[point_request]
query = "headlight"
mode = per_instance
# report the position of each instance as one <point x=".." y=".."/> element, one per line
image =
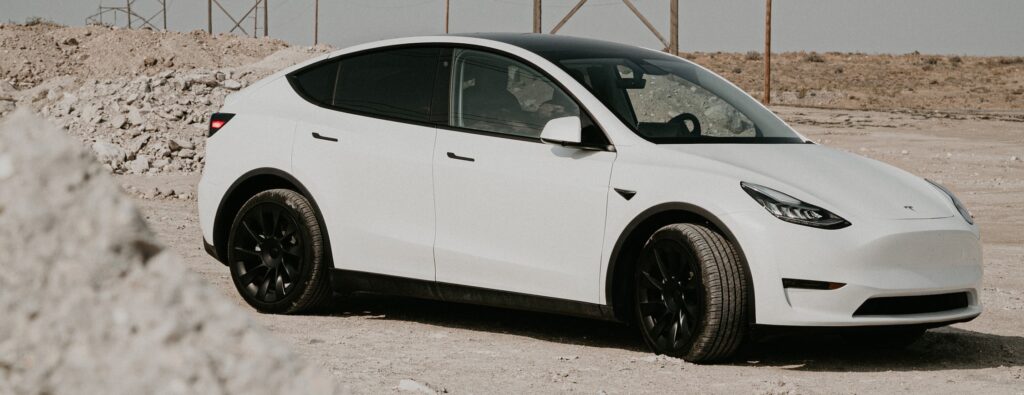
<point x="964" y="212"/>
<point x="790" y="209"/>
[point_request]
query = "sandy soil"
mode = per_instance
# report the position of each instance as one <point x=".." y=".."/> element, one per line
<point x="376" y="342"/>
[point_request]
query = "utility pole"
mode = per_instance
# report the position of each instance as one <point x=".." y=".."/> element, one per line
<point x="163" y="7"/>
<point x="128" y="6"/>
<point x="673" y="40"/>
<point x="447" y="14"/>
<point x="316" y="22"/>
<point x="209" y="16"/>
<point x="768" y="53"/>
<point x="537" y="16"/>
<point x="266" y="19"/>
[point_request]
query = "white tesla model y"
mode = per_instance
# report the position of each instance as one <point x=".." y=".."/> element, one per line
<point x="571" y="176"/>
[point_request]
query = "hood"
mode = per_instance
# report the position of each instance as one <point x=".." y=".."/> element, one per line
<point x="838" y="181"/>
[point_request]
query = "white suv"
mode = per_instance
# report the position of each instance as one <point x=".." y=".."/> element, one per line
<point x="571" y="176"/>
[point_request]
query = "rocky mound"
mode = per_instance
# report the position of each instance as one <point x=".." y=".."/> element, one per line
<point x="139" y="98"/>
<point x="93" y="304"/>
<point x="35" y="53"/>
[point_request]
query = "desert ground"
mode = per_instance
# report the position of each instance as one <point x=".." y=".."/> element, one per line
<point x="373" y="343"/>
<point x="957" y="120"/>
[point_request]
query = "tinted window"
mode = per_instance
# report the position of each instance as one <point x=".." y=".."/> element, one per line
<point x="396" y="83"/>
<point x="317" y="83"/>
<point x="497" y="94"/>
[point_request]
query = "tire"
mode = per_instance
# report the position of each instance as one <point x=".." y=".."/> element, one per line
<point x="691" y="294"/>
<point x="883" y="337"/>
<point x="277" y="255"/>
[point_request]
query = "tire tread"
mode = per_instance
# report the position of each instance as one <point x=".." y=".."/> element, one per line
<point x="725" y="325"/>
<point x="316" y="290"/>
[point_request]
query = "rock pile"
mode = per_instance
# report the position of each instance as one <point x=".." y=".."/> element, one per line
<point x="139" y="99"/>
<point x="36" y="53"/>
<point x="144" y="124"/>
<point x="93" y="304"/>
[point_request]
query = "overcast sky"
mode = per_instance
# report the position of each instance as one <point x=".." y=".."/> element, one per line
<point x="972" y="27"/>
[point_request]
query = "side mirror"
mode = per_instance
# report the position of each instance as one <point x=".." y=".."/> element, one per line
<point x="566" y="131"/>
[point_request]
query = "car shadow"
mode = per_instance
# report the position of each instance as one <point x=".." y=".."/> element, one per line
<point x="939" y="349"/>
<point x="541" y="326"/>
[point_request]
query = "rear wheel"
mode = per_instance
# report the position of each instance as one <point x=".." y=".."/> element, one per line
<point x="276" y="253"/>
<point x="691" y="294"/>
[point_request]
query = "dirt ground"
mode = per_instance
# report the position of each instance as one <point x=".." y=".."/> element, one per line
<point x="377" y="342"/>
<point x="957" y="120"/>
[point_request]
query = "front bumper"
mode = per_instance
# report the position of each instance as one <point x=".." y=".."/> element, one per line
<point x="873" y="258"/>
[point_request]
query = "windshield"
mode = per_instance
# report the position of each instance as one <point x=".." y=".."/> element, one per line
<point x="667" y="100"/>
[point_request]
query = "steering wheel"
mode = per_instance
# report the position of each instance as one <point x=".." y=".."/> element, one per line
<point x="681" y="120"/>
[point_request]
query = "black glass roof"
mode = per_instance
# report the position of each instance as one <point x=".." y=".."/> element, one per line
<point x="555" y="48"/>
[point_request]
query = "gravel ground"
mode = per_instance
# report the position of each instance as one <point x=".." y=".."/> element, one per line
<point x="381" y="344"/>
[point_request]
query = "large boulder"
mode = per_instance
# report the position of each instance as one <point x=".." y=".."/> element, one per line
<point x="92" y="302"/>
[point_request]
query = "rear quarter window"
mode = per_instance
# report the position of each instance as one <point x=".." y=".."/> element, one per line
<point x="318" y="82"/>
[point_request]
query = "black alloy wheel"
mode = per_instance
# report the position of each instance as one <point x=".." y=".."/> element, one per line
<point x="276" y="253"/>
<point x="270" y="252"/>
<point x="691" y="294"/>
<point x="670" y="297"/>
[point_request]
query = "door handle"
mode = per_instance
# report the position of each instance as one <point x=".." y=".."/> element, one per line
<point x="322" y="137"/>
<point x="456" y="157"/>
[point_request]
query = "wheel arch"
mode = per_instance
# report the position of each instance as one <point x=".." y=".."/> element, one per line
<point x="631" y="241"/>
<point x="247" y="186"/>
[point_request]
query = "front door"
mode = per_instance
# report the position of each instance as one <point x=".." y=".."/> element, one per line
<point x="513" y="213"/>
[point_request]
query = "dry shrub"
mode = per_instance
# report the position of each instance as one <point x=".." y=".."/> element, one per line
<point x="38" y="20"/>
<point x="1011" y="60"/>
<point x="752" y="55"/>
<point x="814" y="57"/>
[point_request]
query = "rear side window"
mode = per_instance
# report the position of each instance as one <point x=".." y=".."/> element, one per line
<point x="318" y="82"/>
<point x="397" y="83"/>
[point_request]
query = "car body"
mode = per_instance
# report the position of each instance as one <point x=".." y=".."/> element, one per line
<point x="422" y="196"/>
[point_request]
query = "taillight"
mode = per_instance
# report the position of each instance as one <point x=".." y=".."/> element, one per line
<point x="217" y="121"/>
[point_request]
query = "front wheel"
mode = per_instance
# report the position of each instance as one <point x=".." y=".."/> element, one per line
<point x="277" y="255"/>
<point x="691" y="294"/>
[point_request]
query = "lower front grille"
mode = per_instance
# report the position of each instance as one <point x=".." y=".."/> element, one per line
<point x="901" y="305"/>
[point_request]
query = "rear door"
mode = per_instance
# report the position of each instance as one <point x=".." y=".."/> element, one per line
<point x="515" y="214"/>
<point x="365" y="150"/>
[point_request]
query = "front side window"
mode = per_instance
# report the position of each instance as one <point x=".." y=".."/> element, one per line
<point x="493" y="93"/>
<point x="667" y="100"/>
